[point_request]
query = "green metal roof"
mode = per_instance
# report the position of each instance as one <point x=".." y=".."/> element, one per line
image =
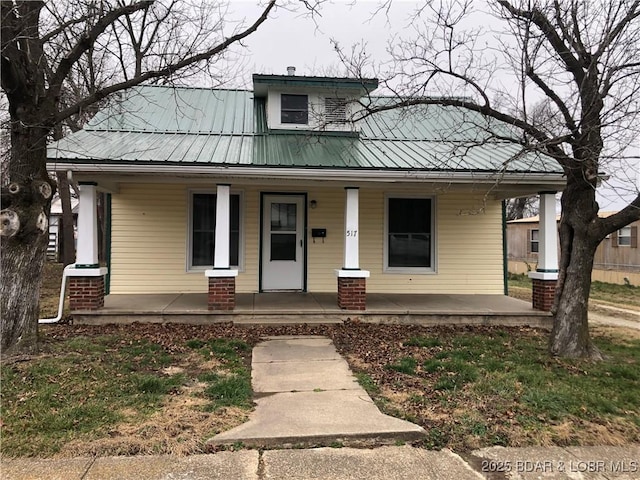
<point x="167" y="125"/>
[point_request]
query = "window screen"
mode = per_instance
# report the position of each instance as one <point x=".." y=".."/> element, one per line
<point x="409" y="232"/>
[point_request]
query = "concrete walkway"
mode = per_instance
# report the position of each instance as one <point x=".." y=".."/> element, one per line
<point x="383" y="463"/>
<point x="307" y="396"/>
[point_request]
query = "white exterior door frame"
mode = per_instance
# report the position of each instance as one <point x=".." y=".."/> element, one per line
<point x="283" y="266"/>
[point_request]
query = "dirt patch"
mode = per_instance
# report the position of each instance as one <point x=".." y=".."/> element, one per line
<point x="619" y="332"/>
<point x="181" y="427"/>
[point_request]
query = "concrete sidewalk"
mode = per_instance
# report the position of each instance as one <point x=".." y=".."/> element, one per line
<point x="382" y="463"/>
<point x="307" y="396"/>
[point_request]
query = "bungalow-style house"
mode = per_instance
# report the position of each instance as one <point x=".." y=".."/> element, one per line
<point x="288" y="187"/>
<point x="617" y="258"/>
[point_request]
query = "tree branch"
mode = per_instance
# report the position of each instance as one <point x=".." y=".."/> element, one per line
<point x="632" y="14"/>
<point x="550" y="33"/>
<point x="87" y="41"/>
<point x="63" y="26"/>
<point x="624" y="217"/>
<point x="166" y="71"/>
<point x="568" y="118"/>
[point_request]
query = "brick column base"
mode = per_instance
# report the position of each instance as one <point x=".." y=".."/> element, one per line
<point x="543" y="294"/>
<point x="86" y="293"/>
<point x="222" y="293"/>
<point x="352" y="293"/>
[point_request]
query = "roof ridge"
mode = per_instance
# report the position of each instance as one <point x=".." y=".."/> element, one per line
<point x="189" y="87"/>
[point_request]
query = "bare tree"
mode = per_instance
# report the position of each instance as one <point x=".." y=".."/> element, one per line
<point x="577" y="61"/>
<point x="521" y="207"/>
<point x="51" y="49"/>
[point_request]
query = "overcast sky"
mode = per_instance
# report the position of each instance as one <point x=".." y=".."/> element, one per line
<point x="294" y="38"/>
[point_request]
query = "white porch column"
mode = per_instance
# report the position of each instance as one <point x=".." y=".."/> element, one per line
<point x="351" y="233"/>
<point x="221" y="267"/>
<point x="545" y="277"/>
<point x="87" y="254"/>
<point x="223" y="224"/>
<point x="86" y="283"/>
<point x="222" y="282"/>
<point x="352" y="283"/>
<point x="548" y="236"/>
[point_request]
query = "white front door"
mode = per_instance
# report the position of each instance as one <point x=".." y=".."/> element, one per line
<point x="283" y="242"/>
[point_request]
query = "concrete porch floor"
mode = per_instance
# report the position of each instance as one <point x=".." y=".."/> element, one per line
<point x="319" y="308"/>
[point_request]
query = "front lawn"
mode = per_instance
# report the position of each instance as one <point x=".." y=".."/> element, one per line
<point x="472" y="387"/>
<point x="147" y="389"/>
<point x="123" y="391"/>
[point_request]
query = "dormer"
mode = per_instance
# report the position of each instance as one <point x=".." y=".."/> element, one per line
<point x="326" y="104"/>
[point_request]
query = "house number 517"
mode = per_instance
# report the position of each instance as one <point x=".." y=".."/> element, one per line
<point x="352" y="233"/>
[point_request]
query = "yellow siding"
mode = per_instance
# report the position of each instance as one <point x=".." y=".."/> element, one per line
<point x="468" y="247"/>
<point x="149" y="244"/>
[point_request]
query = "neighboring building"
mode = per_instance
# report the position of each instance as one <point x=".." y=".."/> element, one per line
<point x="278" y="189"/>
<point x="617" y="259"/>
<point x="55" y="216"/>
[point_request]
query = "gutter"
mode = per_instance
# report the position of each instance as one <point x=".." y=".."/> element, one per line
<point x="296" y="173"/>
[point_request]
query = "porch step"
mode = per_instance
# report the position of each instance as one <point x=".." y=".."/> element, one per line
<point x="287" y="319"/>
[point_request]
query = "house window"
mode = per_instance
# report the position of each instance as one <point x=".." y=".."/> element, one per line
<point x="534" y="241"/>
<point x="203" y="229"/>
<point x="294" y="109"/>
<point x="624" y="236"/>
<point x="409" y="234"/>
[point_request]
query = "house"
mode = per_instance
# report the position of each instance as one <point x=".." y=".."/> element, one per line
<point x="617" y="259"/>
<point x="278" y="188"/>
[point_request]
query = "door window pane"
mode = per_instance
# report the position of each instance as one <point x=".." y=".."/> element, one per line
<point x="283" y="246"/>
<point x="283" y="217"/>
<point x="409" y="232"/>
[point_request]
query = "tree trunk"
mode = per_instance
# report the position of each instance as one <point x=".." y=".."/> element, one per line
<point x="65" y="228"/>
<point x="570" y="333"/>
<point x="22" y="265"/>
<point x="26" y="202"/>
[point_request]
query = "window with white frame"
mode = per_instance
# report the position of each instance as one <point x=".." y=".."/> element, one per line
<point x="624" y="236"/>
<point x="294" y="109"/>
<point x="409" y="234"/>
<point x="534" y="241"/>
<point x="202" y="232"/>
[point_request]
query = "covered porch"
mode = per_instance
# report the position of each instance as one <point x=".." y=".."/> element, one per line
<point x="283" y="308"/>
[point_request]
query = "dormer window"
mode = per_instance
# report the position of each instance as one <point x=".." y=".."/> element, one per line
<point x="294" y="109"/>
<point x="335" y="110"/>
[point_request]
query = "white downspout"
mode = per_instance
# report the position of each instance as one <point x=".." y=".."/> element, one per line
<point x="57" y="318"/>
